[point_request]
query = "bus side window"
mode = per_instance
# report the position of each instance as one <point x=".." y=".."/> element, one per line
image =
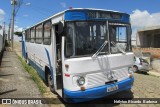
<point x="26" y="36"/>
<point x="39" y="38"/>
<point x="32" y="35"/>
<point x="47" y="33"/>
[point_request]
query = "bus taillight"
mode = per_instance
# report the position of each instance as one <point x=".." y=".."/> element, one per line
<point x="67" y="75"/>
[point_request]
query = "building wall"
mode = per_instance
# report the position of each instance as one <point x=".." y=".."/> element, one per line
<point x="155" y="52"/>
<point x="148" y="38"/>
<point x="149" y="41"/>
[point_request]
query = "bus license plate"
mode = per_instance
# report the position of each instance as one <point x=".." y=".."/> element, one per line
<point x="112" y="88"/>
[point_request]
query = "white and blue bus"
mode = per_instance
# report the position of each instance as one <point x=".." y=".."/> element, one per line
<point x="82" y="54"/>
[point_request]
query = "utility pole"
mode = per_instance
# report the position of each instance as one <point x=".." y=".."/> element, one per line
<point x="4" y="31"/>
<point x="9" y="31"/>
<point x="13" y="3"/>
<point x="4" y="26"/>
<point x="4" y="34"/>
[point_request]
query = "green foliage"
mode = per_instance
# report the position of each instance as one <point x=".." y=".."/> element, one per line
<point x="19" y="34"/>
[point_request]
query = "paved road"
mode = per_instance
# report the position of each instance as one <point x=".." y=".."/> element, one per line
<point x="146" y="86"/>
<point x="15" y="82"/>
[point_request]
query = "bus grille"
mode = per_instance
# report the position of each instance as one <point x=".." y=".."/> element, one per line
<point x="101" y="78"/>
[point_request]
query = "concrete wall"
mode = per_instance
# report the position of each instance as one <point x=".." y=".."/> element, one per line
<point x="1" y="41"/>
<point x="150" y="38"/>
<point x="155" y="52"/>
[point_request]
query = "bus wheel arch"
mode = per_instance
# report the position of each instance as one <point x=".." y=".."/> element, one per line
<point x="48" y="79"/>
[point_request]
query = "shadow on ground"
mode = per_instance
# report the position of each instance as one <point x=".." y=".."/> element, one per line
<point x="142" y="72"/>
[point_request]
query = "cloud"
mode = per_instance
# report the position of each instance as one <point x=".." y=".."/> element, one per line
<point x="1" y="15"/>
<point x="25" y="15"/>
<point x="63" y="4"/>
<point x="140" y="19"/>
<point x="28" y="4"/>
<point x="144" y="18"/>
<point x="17" y="29"/>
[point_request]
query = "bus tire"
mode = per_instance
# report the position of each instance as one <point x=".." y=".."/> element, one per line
<point x="27" y="61"/>
<point x="49" y="82"/>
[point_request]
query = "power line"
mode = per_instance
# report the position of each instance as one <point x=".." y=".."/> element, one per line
<point x="19" y="4"/>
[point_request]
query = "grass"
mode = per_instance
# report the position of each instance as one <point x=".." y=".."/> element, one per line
<point x="33" y="73"/>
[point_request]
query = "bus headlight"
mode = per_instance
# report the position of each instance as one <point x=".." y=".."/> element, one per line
<point x="130" y="72"/>
<point x="81" y="81"/>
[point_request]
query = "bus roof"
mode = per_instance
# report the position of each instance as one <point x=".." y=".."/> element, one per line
<point x="74" y="9"/>
<point x="95" y="9"/>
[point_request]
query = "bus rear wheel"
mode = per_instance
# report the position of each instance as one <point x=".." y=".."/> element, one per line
<point x="49" y="80"/>
<point x="27" y="61"/>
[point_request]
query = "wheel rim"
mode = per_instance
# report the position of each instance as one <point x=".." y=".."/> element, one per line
<point x="49" y="79"/>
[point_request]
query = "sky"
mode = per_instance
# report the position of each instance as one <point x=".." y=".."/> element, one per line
<point x="143" y="13"/>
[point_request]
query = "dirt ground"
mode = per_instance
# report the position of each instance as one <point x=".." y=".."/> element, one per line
<point x="156" y="65"/>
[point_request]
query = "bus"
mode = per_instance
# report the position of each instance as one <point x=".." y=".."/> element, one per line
<point x="82" y="54"/>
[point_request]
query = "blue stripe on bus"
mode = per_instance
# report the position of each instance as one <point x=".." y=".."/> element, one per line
<point x="23" y="47"/>
<point x="38" y="69"/>
<point x="50" y="65"/>
<point x="96" y="93"/>
<point x="75" y="15"/>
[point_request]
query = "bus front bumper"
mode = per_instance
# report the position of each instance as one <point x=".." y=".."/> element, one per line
<point x="98" y="92"/>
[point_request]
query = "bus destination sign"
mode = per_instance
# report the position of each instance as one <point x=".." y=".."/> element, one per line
<point x="106" y="15"/>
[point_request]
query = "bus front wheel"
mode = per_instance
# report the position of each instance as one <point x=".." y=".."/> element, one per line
<point x="49" y="80"/>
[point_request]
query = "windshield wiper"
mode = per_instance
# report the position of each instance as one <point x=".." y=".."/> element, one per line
<point x="119" y="48"/>
<point x="100" y="49"/>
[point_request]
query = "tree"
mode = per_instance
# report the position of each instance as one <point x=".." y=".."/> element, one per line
<point x="19" y="34"/>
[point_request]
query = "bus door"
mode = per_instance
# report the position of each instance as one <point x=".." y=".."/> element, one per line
<point x="58" y="61"/>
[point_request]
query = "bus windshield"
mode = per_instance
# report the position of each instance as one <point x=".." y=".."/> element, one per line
<point x="85" y="38"/>
<point x="120" y="37"/>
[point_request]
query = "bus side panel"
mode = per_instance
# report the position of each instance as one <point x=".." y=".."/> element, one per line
<point x="37" y="56"/>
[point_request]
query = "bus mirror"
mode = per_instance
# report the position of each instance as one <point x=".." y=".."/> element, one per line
<point x="60" y="28"/>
